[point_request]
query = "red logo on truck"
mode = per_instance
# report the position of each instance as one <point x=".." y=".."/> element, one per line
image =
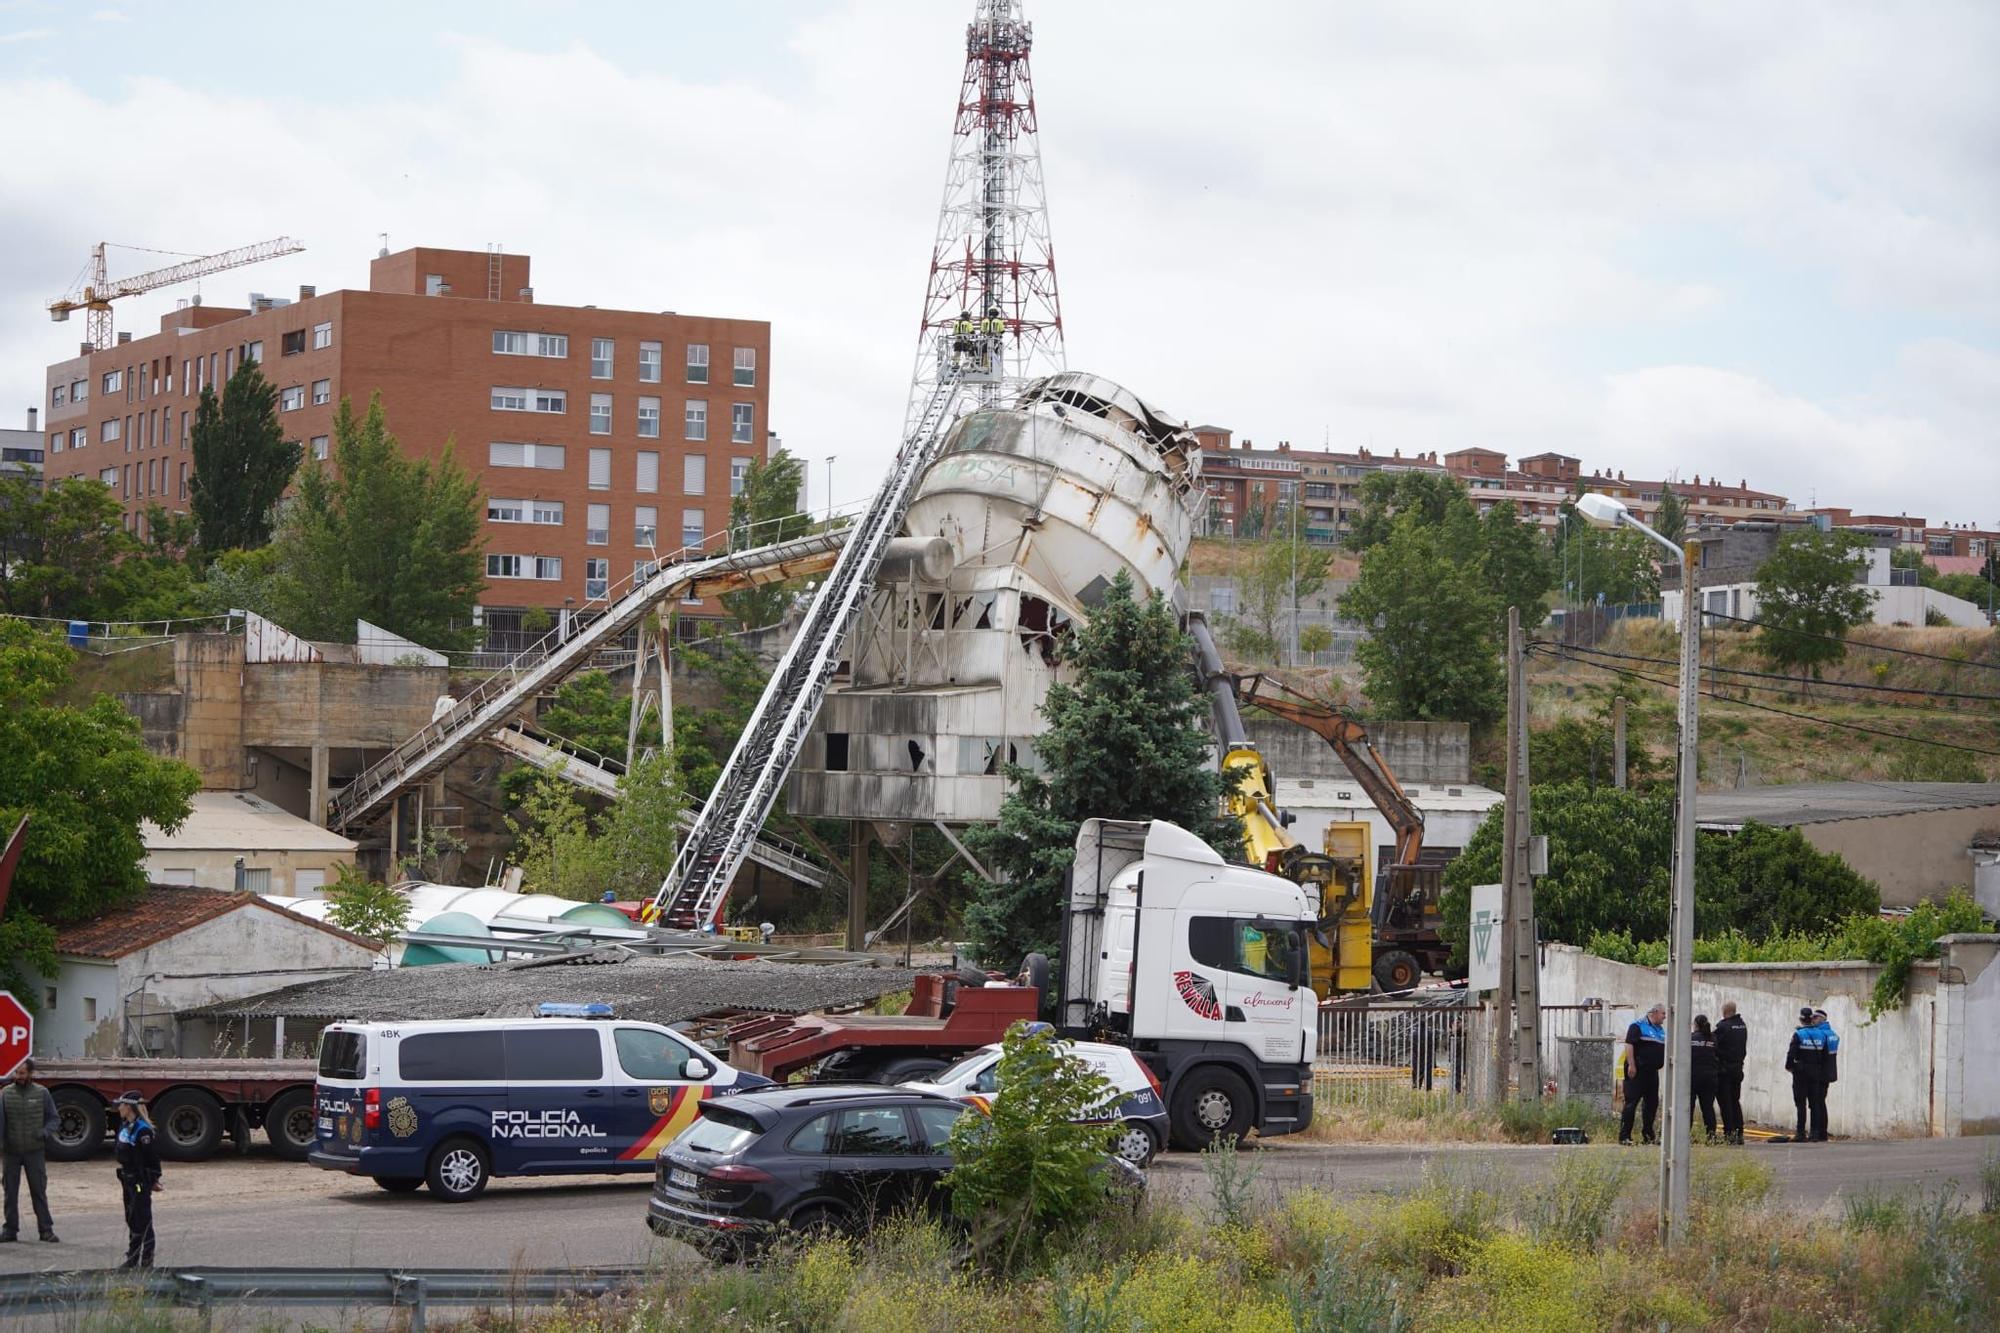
<point x="1199" y="992"/>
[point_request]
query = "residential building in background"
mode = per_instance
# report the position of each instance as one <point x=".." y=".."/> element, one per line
<point x="1542" y="482"/>
<point x="1243" y="479"/>
<point x="602" y="439"/>
<point x="21" y="453"/>
<point x="1731" y="553"/>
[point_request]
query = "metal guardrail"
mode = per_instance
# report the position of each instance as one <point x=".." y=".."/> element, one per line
<point x="206" y="1289"/>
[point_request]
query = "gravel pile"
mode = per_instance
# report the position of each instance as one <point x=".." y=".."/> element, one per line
<point x="656" y="990"/>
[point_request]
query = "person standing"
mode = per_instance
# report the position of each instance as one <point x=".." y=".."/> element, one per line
<point x="138" y="1178"/>
<point x="1703" y="1073"/>
<point x="1829" y="1073"/>
<point x="1806" y="1060"/>
<point x="1732" y="1043"/>
<point x="27" y="1123"/>
<point x="1645" y="1054"/>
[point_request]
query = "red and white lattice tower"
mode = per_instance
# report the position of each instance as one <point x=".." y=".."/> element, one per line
<point x="993" y="250"/>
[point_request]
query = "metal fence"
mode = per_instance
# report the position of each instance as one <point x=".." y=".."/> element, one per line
<point x="1426" y="1051"/>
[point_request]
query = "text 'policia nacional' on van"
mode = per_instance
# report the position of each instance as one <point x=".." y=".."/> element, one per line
<point x="454" y="1104"/>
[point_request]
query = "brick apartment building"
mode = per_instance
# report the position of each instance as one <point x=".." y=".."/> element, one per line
<point x="1543" y="481"/>
<point x="602" y="439"/>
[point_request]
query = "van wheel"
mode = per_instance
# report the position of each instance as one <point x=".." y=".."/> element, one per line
<point x="1210" y="1104"/>
<point x="189" y="1122"/>
<point x="1134" y="1143"/>
<point x="79" y="1125"/>
<point x="400" y="1184"/>
<point x="910" y="1070"/>
<point x="288" y="1124"/>
<point x="458" y="1171"/>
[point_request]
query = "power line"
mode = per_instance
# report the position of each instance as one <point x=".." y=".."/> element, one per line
<point x="1852" y="643"/>
<point x="1786" y="712"/>
<point x="1780" y="676"/>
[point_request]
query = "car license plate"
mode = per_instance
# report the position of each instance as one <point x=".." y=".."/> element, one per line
<point x="687" y="1180"/>
<point x="326" y="1124"/>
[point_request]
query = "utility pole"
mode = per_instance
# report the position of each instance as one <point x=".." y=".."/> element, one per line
<point x="1618" y="742"/>
<point x="1520" y="902"/>
<point x="1510" y="852"/>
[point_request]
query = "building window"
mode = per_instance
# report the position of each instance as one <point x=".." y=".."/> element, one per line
<point x="322" y="392"/>
<point x="109" y="476"/>
<point x="742" y="421"/>
<point x="58" y="395"/>
<point x="56" y="442"/>
<point x="79" y="437"/>
<point x="693" y="527"/>
<point x="746" y="367"/>
<point x="433" y="284"/>
<point x="114" y="380"/>
<point x="694" y="474"/>
<point x="739" y="475"/>
<point x="506" y="511"/>
<point x="596" y="578"/>
<point x="524" y="567"/>
<point x="649" y="418"/>
<point x="649" y="363"/>
<point x="530" y="400"/>
<point x="319" y="447"/>
<point x="548" y="457"/>
<point x="292" y="343"/>
<point x="292" y="398"/>
<point x="600" y="414"/>
<point x="645" y="526"/>
<point x="79" y="390"/>
<point x="697" y="363"/>
<point x="111" y="430"/>
<point x="600" y="469"/>
<point x="648" y="474"/>
<point x="322" y="335"/>
<point x="597" y="525"/>
<point x="549" y="513"/>
<point x="509" y="343"/>
<point x="254" y="351"/>
<point x="697" y="419"/>
<point x="601" y="350"/>
<point x="644" y="569"/>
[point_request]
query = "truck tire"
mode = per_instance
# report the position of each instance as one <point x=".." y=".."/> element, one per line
<point x="79" y="1125"/>
<point x="1035" y="976"/>
<point x="288" y="1124"/>
<point x="458" y="1171"/>
<point x="910" y="1069"/>
<point x="1209" y="1104"/>
<point x="1397" y="970"/>
<point x="189" y="1124"/>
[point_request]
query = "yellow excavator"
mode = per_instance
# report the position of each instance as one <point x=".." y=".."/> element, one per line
<point x="1386" y="936"/>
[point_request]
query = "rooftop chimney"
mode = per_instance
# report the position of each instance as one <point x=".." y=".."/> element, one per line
<point x="307" y="292"/>
<point x="84" y="349"/>
<point x="34" y="416"/>
<point x="124" y="338"/>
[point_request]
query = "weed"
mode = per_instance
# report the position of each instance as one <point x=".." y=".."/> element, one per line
<point x="1345" y="1296"/>
<point x="1574" y="1208"/>
<point x="1232" y="1180"/>
<point x="1989" y="1183"/>
<point x="1511" y="1283"/>
<point x="1535" y="1119"/>
<point x="1870" y="1210"/>
<point x="1726" y="1183"/>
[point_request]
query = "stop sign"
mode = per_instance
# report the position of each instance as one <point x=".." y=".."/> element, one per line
<point x="17" y="1032"/>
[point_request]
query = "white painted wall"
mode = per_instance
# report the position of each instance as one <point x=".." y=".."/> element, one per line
<point x="1449" y="821"/>
<point x="85" y="1001"/>
<point x="1905" y="604"/>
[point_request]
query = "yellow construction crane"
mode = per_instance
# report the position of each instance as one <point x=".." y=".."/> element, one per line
<point x="96" y="293"/>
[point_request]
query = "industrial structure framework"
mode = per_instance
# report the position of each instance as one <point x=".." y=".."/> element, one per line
<point x="993" y="250"/>
<point x="95" y="294"/>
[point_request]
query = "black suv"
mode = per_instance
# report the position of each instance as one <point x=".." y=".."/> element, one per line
<point x="811" y="1157"/>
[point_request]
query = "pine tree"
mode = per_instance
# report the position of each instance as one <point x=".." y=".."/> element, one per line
<point x="1126" y="739"/>
<point x="242" y="462"/>
<point x="1671" y="521"/>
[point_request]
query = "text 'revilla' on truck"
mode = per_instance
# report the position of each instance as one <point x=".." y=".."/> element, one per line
<point x="1200" y="966"/>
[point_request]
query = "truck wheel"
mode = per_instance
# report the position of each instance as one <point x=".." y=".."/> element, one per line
<point x="1035" y="976"/>
<point x="909" y="1070"/>
<point x="1210" y="1104"/>
<point x="189" y="1123"/>
<point x="1397" y="971"/>
<point x="288" y="1124"/>
<point x="458" y="1171"/>
<point x="79" y="1125"/>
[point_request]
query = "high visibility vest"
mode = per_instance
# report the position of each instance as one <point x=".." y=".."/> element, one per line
<point x="995" y="325"/>
<point x="962" y="326"/>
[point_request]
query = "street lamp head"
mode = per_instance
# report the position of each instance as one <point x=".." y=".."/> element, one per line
<point x="1602" y="511"/>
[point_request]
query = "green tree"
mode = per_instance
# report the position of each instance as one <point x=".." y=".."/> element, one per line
<point x="1612" y="565"/>
<point x="554" y="844"/>
<point x="766" y="511"/>
<point x="1029" y="1167"/>
<point x="60" y="546"/>
<point x="1126" y="738"/>
<point x="1284" y="571"/>
<point x="359" y="904"/>
<point x="1807" y="598"/>
<point x="378" y="536"/>
<point x="1436" y="498"/>
<point x="1315" y="639"/>
<point x="1671" y="519"/>
<point x="641" y="829"/>
<point x="1431" y="653"/>
<point x="242" y="461"/>
<point x="85" y="779"/>
<point x="1518" y="567"/>
<point x="1579" y="749"/>
<point x="588" y="710"/>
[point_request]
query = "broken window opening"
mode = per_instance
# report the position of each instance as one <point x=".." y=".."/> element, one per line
<point x="1042" y="628"/>
<point x="976" y="611"/>
<point x="916" y="757"/>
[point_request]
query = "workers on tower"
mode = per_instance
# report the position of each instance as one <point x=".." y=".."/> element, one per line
<point x="993" y="326"/>
<point x="964" y="339"/>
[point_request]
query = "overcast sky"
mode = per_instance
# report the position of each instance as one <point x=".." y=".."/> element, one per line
<point x="1749" y="241"/>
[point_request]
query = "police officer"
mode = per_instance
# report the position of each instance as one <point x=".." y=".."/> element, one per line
<point x="1806" y="1059"/>
<point x="1704" y="1073"/>
<point x="1645" y="1053"/>
<point x="1732" y="1042"/>
<point x="138" y="1178"/>
<point x="1829" y="1072"/>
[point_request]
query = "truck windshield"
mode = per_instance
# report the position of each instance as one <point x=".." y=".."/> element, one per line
<point x="343" y="1055"/>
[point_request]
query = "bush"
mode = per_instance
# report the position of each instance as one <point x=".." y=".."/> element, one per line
<point x="361" y="905"/>
<point x="1574" y="1208"/>
<point x="1535" y="1119"/>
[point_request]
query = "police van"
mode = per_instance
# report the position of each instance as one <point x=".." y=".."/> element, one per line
<point x="454" y="1104"/>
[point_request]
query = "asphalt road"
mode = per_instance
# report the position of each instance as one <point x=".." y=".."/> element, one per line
<point x="261" y="1211"/>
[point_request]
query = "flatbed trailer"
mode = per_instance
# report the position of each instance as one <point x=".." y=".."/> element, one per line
<point x="946" y="1019"/>
<point x="194" y="1103"/>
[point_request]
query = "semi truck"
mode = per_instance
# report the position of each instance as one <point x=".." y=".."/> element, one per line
<point x="195" y="1104"/>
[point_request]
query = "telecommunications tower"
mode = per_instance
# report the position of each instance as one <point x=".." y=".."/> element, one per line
<point x="993" y="251"/>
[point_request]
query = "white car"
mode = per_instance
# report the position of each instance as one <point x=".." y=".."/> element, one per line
<point x="1139" y="1109"/>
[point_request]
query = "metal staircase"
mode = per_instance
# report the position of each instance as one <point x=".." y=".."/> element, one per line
<point x="489" y="705"/>
<point x="599" y="774"/>
<point x="694" y="891"/>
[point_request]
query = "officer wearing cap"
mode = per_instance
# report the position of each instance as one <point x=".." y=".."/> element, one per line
<point x="1829" y="1071"/>
<point x="1806" y="1060"/>
<point x="138" y="1177"/>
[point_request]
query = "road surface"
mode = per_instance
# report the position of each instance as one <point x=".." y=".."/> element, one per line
<point x="260" y="1211"/>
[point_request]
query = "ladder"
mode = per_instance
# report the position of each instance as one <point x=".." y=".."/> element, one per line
<point x="488" y="706"/>
<point x="694" y="891"/>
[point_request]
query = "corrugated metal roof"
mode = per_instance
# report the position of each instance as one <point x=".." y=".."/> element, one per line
<point x="1820" y="802"/>
<point x="236" y="821"/>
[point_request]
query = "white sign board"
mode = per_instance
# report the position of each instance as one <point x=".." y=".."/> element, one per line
<point x="1482" y="945"/>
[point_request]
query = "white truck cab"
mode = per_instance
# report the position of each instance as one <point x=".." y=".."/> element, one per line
<point x="1200" y="966"/>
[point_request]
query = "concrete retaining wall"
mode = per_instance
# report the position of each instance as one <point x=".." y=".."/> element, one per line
<point x="1421" y="752"/>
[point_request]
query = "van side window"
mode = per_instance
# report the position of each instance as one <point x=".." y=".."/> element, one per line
<point x="451" y="1057"/>
<point x="989" y="1079"/>
<point x="649" y="1055"/>
<point x="554" y="1055"/>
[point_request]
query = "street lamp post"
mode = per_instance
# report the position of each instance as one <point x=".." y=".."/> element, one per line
<point x="829" y="488"/>
<point x="1605" y="512"/>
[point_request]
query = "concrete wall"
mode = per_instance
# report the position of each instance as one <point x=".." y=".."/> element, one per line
<point x="81" y="1017"/>
<point x="1977" y="1027"/>
<point x="1416" y="752"/>
<point x="1899" y="1075"/>
<point x="337" y="703"/>
<point x="215" y="868"/>
<point x="208" y="674"/>
<point x="1913" y="856"/>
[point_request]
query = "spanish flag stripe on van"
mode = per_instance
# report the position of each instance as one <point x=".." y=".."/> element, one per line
<point x="682" y="1107"/>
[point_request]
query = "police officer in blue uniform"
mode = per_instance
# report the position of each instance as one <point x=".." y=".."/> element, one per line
<point x="138" y="1178"/>
<point x="1645" y="1054"/>
<point x="1829" y="1070"/>
<point x="1806" y="1059"/>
